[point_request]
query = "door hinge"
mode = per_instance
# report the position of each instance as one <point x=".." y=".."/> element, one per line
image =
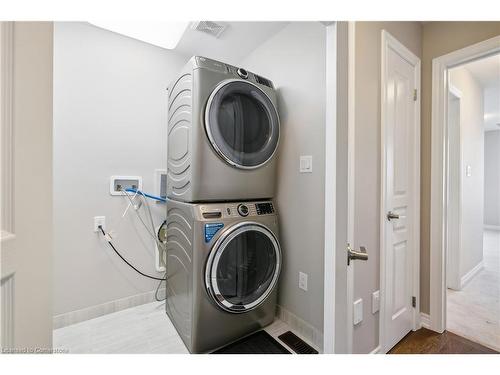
<point x="414" y="301"/>
<point x="415" y="95"/>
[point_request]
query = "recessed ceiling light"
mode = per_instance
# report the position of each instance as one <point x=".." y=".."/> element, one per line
<point x="163" y="34"/>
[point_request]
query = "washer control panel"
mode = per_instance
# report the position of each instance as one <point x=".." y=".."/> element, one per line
<point x="219" y="211"/>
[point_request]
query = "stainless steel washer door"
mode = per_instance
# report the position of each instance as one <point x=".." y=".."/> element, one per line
<point x="243" y="267"/>
<point x="242" y="124"/>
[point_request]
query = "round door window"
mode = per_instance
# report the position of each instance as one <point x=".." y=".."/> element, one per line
<point x="242" y="124"/>
<point x="243" y="268"/>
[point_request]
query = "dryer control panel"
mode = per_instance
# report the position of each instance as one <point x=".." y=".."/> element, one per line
<point x="237" y="72"/>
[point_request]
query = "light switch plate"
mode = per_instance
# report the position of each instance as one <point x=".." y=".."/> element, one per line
<point x="358" y="311"/>
<point x="303" y="281"/>
<point x="375" y="301"/>
<point x="468" y="171"/>
<point x="306" y="165"/>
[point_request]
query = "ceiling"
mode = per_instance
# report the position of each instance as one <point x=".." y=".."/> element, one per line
<point x="234" y="44"/>
<point x="487" y="73"/>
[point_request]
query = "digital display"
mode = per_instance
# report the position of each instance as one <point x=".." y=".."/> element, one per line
<point x="264" y="208"/>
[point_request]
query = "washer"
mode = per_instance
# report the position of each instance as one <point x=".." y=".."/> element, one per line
<point x="223" y="134"/>
<point x="223" y="265"/>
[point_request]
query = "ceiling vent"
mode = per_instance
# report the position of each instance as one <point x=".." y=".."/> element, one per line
<point x="209" y="27"/>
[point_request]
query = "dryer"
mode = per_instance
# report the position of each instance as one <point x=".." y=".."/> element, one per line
<point x="223" y="134"/>
<point x="223" y="264"/>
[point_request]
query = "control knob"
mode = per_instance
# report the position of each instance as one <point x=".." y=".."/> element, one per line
<point x="243" y="210"/>
<point x="242" y="73"/>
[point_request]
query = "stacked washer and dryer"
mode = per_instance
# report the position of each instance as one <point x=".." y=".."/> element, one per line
<point x="223" y="254"/>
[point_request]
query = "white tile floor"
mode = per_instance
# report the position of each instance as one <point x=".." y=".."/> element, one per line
<point x="141" y="329"/>
<point x="474" y="311"/>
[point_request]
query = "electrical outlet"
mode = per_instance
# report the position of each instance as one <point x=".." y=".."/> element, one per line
<point x="306" y="164"/>
<point x="375" y="301"/>
<point x="358" y="311"/>
<point x="99" y="221"/>
<point x="303" y="281"/>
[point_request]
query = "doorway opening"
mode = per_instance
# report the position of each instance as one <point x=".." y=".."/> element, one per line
<point x="472" y="266"/>
<point x="465" y="272"/>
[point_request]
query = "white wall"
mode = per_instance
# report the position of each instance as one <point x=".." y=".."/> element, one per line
<point x="472" y="149"/>
<point x="294" y="59"/>
<point x="492" y="178"/>
<point x="109" y="119"/>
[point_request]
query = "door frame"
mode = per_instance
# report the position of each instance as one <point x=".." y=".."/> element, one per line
<point x="389" y="42"/>
<point x="453" y="262"/>
<point x="7" y="189"/>
<point x="330" y="186"/>
<point x="335" y="324"/>
<point x="7" y="137"/>
<point x="439" y="170"/>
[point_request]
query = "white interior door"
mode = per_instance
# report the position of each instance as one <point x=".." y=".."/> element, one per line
<point x="26" y="186"/>
<point x="400" y="180"/>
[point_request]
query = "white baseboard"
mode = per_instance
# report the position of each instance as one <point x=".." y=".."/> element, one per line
<point x="96" y="311"/>
<point x="303" y="328"/>
<point x="425" y="320"/>
<point x="376" y="350"/>
<point x="469" y="275"/>
<point x="492" y="227"/>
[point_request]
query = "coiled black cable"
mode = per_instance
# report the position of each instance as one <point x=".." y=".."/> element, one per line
<point x="126" y="261"/>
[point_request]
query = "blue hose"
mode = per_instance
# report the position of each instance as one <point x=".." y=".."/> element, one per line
<point x="160" y="199"/>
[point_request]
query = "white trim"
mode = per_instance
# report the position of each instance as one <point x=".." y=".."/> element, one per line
<point x="306" y="331"/>
<point x="7" y="311"/>
<point x="376" y="350"/>
<point x="7" y="231"/>
<point x="491" y="227"/>
<point x="470" y="275"/>
<point x="439" y="189"/>
<point x="330" y="189"/>
<point x="456" y="92"/>
<point x="455" y="231"/>
<point x="389" y="42"/>
<point x="425" y="320"/>
<point x="77" y="316"/>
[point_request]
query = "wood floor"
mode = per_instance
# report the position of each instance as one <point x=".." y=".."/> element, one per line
<point x="425" y="341"/>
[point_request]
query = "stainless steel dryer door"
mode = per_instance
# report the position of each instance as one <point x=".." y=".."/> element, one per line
<point x="243" y="267"/>
<point x="242" y="124"/>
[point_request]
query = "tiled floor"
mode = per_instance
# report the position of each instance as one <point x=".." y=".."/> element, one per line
<point x="474" y="311"/>
<point x="425" y="341"/>
<point x="141" y="329"/>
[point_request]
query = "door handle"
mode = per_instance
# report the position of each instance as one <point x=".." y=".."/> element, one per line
<point x="391" y="215"/>
<point x="356" y="255"/>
